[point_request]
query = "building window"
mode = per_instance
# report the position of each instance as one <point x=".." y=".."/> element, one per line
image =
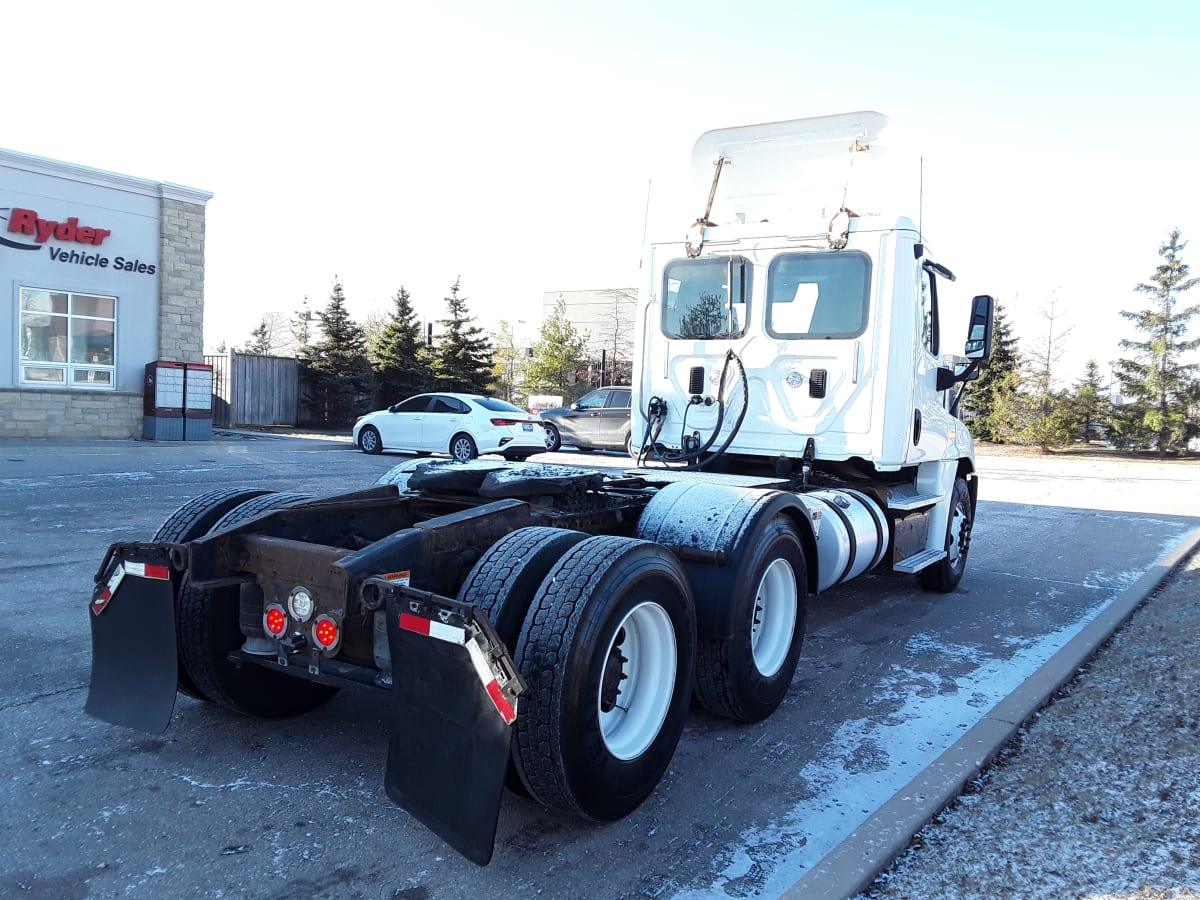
<point x="68" y="340"/>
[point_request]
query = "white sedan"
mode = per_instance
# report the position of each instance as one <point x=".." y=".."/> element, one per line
<point x="462" y="425"/>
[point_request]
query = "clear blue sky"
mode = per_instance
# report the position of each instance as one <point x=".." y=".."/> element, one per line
<point x="512" y="143"/>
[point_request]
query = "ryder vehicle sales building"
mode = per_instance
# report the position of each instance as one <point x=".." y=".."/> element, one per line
<point x="100" y="274"/>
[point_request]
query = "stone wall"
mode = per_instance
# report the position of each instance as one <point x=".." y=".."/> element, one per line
<point x="59" y="414"/>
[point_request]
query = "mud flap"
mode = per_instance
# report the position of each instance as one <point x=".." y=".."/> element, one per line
<point x="454" y="699"/>
<point x="134" y="660"/>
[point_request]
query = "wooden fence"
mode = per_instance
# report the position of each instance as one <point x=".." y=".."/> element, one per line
<point x="254" y="390"/>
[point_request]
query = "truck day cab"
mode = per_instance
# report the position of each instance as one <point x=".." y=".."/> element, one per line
<point x="546" y="626"/>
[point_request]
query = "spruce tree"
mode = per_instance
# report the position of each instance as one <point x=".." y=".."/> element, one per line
<point x="557" y="357"/>
<point x="462" y="356"/>
<point x="336" y="369"/>
<point x="988" y="397"/>
<point x="1091" y="409"/>
<point x="1159" y="383"/>
<point x="400" y="359"/>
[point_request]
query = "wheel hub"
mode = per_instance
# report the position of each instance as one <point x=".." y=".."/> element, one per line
<point x="614" y="674"/>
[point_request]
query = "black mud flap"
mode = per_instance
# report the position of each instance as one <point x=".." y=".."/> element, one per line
<point x="454" y="700"/>
<point x="134" y="661"/>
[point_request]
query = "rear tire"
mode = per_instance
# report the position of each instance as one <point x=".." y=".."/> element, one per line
<point x="369" y="440"/>
<point x="944" y="576"/>
<point x="462" y="447"/>
<point x="190" y="521"/>
<point x="502" y="585"/>
<point x="607" y="650"/>
<point x="746" y="677"/>
<point x="208" y="630"/>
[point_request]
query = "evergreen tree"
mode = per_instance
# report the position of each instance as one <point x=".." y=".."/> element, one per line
<point x="991" y="390"/>
<point x="400" y="358"/>
<point x="1156" y="379"/>
<point x="557" y="357"/>
<point x="1090" y="406"/>
<point x="302" y="327"/>
<point x="336" y="369"/>
<point x="462" y="356"/>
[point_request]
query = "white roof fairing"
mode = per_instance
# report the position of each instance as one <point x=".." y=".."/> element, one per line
<point x="803" y="170"/>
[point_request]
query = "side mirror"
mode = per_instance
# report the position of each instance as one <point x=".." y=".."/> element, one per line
<point x="575" y="406"/>
<point x="979" y="331"/>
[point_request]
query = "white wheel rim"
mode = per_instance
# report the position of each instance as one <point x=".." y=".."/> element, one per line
<point x="550" y="438"/>
<point x="775" y="607"/>
<point x="462" y="450"/>
<point x="368" y="440"/>
<point x="956" y="526"/>
<point x="650" y="665"/>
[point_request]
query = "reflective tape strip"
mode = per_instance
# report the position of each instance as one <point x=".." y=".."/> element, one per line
<point x="452" y="635"/>
<point x="145" y="570"/>
<point x="507" y="711"/>
<point x="110" y="588"/>
<point x="448" y="633"/>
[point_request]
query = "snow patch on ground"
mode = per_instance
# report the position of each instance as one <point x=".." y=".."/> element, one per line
<point x="870" y="759"/>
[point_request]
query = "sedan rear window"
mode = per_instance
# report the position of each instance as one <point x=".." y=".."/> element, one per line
<point x="493" y="405"/>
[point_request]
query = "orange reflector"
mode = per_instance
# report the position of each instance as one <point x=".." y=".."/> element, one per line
<point x="274" y="620"/>
<point x="325" y="632"/>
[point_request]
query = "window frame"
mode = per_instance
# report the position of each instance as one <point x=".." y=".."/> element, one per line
<point x="71" y="372"/>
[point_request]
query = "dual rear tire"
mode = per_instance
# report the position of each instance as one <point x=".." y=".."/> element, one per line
<point x="606" y="643"/>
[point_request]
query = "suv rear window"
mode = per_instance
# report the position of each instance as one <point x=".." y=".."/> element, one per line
<point x="618" y="399"/>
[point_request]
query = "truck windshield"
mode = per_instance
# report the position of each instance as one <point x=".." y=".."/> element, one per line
<point x="698" y="295"/>
<point x="818" y="295"/>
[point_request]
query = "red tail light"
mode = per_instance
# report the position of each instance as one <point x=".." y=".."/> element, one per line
<point x="505" y="422"/>
<point x="326" y="632"/>
<point x="274" y="620"/>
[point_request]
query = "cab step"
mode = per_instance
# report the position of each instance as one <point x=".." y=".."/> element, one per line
<point x="906" y="496"/>
<point x="919" y="561"/>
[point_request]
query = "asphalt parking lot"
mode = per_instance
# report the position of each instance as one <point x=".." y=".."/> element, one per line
<point x="224" y="806"/>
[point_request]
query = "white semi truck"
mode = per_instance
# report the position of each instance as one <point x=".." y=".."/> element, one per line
<point x="546" y="626"/>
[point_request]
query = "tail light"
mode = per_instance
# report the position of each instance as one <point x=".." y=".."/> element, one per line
<point x="503" y="423"/>
<point x="274" y="620"/>
<point x="326" y="633"/>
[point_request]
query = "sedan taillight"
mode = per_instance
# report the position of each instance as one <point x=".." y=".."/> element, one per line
<point x="502" y="423"/>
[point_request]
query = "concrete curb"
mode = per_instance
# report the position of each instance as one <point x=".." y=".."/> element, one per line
<point x="852" y="865"/>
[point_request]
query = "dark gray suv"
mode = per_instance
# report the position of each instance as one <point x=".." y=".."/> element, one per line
<point x="596" y="421"/>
